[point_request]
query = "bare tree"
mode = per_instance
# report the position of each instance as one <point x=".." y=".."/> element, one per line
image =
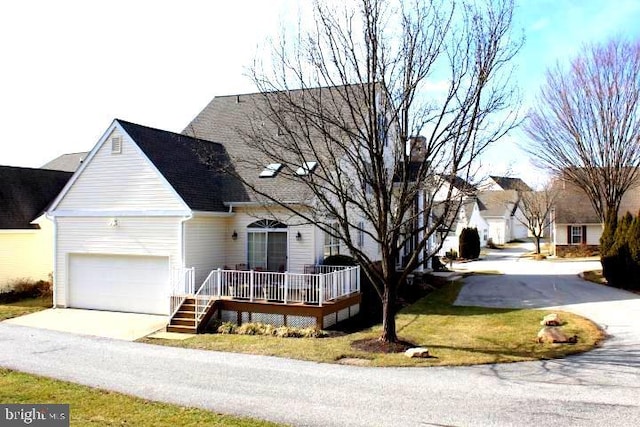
<point x="585" y="126"/>
<point x="536" y="209"/>
<point x="354" y="92"/>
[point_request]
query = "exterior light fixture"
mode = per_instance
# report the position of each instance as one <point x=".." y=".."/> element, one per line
<point x="298" y="236"/>
<point x="113" y="222"/>
<point x="234" y="236"/>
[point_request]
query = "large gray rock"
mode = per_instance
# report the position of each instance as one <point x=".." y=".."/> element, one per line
<point x="554" y="335"/>
<point x="417" y="352"/>
<point x="551" y="320"/>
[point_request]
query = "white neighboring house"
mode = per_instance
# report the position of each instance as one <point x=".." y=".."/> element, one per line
<point x="26" y="235"/>
<point x="500" y="210"/>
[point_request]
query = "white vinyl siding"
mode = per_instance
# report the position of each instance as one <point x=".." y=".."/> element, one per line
<point x="594" y="231"/>
<point x="300" y="253"/>
<point x="125" y="181"/>
<point x="205" y="245"/>
<point x="142" y="236"/>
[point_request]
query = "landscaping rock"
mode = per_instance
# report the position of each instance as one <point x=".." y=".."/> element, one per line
<point x="417" y="352"/>
<point x="551" y="320"/>
<point x="554" y="335"/>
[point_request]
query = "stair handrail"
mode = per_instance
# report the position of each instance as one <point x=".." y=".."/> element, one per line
<point x="201" y="295"/>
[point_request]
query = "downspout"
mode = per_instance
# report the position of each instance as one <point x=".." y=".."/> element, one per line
<point x="183" y="254"/>
<point x="55" y="258"/>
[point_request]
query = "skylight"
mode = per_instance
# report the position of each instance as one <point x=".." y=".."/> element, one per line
<point x="270" y="170"/>
<point x="306" y="168"/>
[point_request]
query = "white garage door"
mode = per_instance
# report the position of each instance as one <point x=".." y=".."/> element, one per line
<point x="137" y="284"/>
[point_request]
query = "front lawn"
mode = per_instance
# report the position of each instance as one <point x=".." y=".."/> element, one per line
<point x="97" y="407"/>
<point x="26" y="306"/>
<point x="454" y="335"/>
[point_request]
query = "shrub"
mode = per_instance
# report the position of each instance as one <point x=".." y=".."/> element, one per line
<point x="270" y="330"/>
<point x="339" y="260"/>
<point x="21" y="289"/>
<point x="469" y="243"/>
<point x="451" y="254"/>
<point x="620" y="252"/>
<point x="227" y="328"/>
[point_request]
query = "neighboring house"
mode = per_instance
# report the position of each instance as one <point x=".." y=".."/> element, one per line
<point x="575" y="225"/>
<point x="26" y="235"/>
<point x="67" y="162"/>
<point x="505" y="183"/>
<point x="501" y="211"/>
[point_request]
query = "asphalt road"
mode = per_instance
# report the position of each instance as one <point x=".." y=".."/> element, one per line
<point x="600" y="387"/>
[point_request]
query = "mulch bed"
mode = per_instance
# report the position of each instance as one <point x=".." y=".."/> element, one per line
<point x="374" y="345"/>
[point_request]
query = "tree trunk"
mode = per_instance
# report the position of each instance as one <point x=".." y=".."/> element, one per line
<point x="537" y="244"/>
<point x="388" y="314"/>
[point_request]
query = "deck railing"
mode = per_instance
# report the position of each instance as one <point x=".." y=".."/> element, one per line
<point x="183" y="282"/>
<point x="307" y="288"/>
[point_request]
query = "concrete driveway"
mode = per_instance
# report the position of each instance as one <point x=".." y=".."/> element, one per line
<point x="525" y="283"/>
<point x="108" y="324"/>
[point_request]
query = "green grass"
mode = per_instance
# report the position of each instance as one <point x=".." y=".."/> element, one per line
<point x="454" y="336"/>
<point x="92" y="407"/>
<point x="20" y="308"/>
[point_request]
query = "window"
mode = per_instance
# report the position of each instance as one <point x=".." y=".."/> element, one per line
<point x="267" y="245"/>
<point x="331" y="241"/>
<point x="270" y="170"/>
<point x="360" y="234"/>
<point x="116" y="145"/>
<point x="575" y="235"/>
<point x="306" y="168"/>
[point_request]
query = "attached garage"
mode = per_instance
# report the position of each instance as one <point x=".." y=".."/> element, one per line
<point x="136" y="284"/>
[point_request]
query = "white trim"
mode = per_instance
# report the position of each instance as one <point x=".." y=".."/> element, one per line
<point x="105" y="137"/>
<point x="181" y="240"/>
<point x="112" y="213"/>
<point x="209" y="214"/>
<point x="166" y="183"/>
<point x="82" y="167"/>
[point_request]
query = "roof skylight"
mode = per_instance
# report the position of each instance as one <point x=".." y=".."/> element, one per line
<point x="270" y="170"/>
<point x="306" y="168"/>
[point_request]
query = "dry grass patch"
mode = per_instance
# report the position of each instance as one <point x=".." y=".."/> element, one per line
<point x="454" y="336"/>
<point x="27" y="306"/>
<point x="90" y="406"/>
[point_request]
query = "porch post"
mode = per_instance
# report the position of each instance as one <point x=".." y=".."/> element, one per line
<point x="286" y="286"/>
<point x="251" y="282"/>
<point x="321" y="290"/>
<point x="358" y="278"/>
<point x="219" y="281"/>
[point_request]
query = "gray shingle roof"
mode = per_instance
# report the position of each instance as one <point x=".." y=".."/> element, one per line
<point x="507" y="183"/>
<point x="496" y="203"/>
<point x="193" y="167"/>
<point x="67" y="162"/>
<point x="25" y="193"/>
<point x="572" y="206"/>
<point x="229" y="120"/>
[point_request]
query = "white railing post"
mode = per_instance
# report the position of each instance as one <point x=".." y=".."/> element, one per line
<point x="321" y="290"/>
<point x="251" y="285"/>
<point x="286" y="287"/>
<point x="335" y="277"/>
<point x="192" y="280"/>
<point x="358" y="279"/>
<point x="219" y="281"/>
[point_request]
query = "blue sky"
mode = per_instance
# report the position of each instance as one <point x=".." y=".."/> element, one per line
<point x="70" y="67"/>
